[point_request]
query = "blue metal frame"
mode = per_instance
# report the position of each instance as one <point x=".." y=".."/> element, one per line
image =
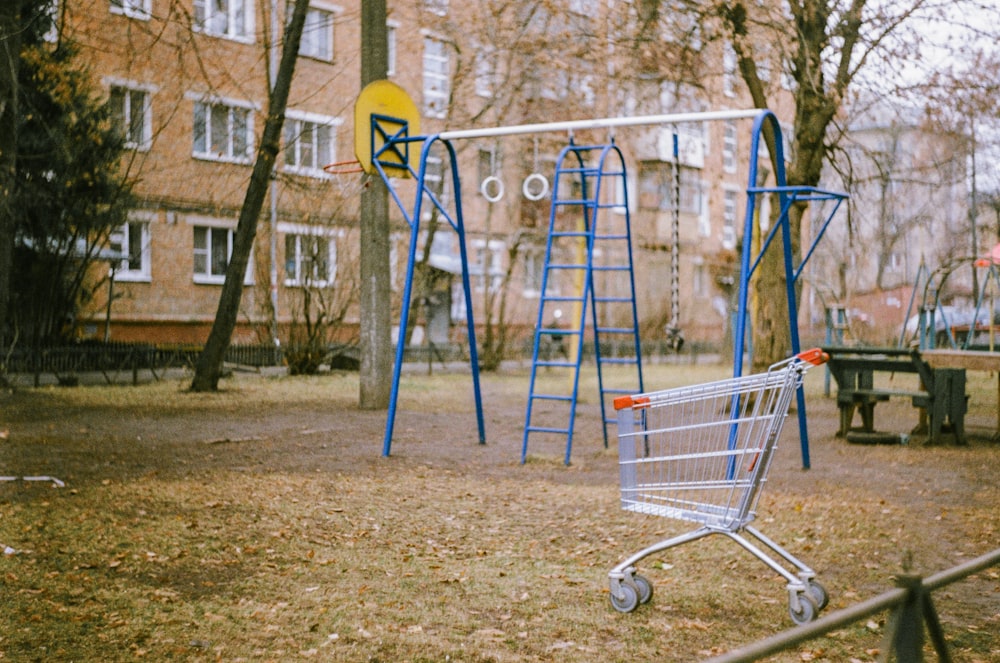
<point x="591" y="206"/>
<point x="788" y="196"/>
<point x="397" y="144"/>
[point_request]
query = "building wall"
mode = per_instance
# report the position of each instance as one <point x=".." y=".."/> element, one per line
<point x="590" y="76"/>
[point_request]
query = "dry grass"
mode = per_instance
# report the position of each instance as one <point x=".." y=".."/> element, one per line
<point x="259" y="524"/>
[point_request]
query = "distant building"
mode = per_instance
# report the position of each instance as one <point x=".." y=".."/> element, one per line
<point x="908" y="217"/>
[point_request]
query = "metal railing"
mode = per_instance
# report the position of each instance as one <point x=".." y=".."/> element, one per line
<point x="911" y="607"/>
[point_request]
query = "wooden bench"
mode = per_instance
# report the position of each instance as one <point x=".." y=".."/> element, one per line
<point x="942" y="399"/>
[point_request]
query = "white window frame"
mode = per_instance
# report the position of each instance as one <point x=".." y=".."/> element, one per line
<point x="730" y="146"/>
<point x="487" y="261"/>
<point x="390" y="34"/>
<point x="436" y="76"/>
<point x="728" y="70"/>
<point x="298" y="233"/>
<point x="318" y="33"/>
<point x="232" y="107"/>
<point x="210" y="224"/>
<point x="730" y="214"/>
<point x="485" y="71"/>
<point x="122" y="240"/>
<point x="699" y="277"/>
<point x="293" y="132"/>
<point x="439" y="7"/>
<point x="128" y="111"/>
<point x="704" y="218"/>
<point x="138" y="9"/>
<point x="236" y="21"/>
<point x="534" y="273"/>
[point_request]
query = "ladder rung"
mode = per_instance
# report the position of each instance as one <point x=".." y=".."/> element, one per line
<point x="619" y="360"/>
<point x="613" y="299"/>
<point x="561" y="298"/>
<point x="570" y="233"/>
<point x="545" y="429"/>
<point x="559" y="364"/>
<point x="567" y="266"/>
<point x="610" y="268"/>
<point x="615" y="330"/>
<point x="551" y="397"/>
<point x="559" y="332"/>
<point x="589" y="202"/>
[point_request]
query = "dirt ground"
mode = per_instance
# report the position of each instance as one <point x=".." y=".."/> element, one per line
<point x="927" y="490"/>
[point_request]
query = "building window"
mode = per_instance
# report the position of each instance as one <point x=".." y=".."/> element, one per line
<point x="310" y="260"/>
<point x="487" y="263"/>
<point x="700" y="280"/>
<point x="704" y="219"/>
<point x="390" y="30"/>
<point x="317" y="35"/>
<point x="212" y="248"/>
<point x="729" y="146"/>
<point x="131" y="8"/>
<point x="585" y="7"/>
<point x="439" y="7"/>
<point x="656" y="188"/>
<point x="130" y="111"/>
<point x="534" y="272"/>
<point x="222" y="132"/>
<point x="486" y="71"/>
<point x="224" y="18"/>
<point x="729" y="71"/>
<point x="729" y="219"/>
<point x="437" y="84"/>
<point x="309" y="143"/>
<point x="132" y="241"/>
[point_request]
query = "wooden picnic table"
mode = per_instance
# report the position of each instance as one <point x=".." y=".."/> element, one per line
<point x="969" y="360"/>
<point x="940" y="397"/>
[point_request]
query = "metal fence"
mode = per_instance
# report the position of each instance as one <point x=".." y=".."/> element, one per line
<point x="911" y="607"/>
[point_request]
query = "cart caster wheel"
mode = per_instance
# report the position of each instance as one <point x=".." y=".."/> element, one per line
<point x="644" y="586"/>
<point x="629" y="600"/>
<point x="818" y="594"/>
<point x="807" y="609"/>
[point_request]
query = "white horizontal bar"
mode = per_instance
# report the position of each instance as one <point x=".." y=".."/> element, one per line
<point x="601" y="123"/>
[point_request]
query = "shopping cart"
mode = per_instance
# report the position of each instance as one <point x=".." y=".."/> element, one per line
<point x="701" y="454"/>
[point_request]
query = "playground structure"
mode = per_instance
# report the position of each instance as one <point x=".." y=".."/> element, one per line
<point x="386" y="140"/>
<point x="942" y="326"/>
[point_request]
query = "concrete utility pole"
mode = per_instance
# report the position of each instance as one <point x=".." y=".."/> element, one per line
<point x="376" y="340"/>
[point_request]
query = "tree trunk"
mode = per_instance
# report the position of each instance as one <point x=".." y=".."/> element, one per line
<point x="209" y="366"/>
<point x="10" y="55"/>
<point x="376" y="340"/>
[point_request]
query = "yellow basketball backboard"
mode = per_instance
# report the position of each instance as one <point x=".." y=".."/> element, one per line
<point x="383" y="115"/>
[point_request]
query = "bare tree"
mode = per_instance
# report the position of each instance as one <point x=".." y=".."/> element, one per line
<point x="833" y="47"/>
<point x="209" y="367"/>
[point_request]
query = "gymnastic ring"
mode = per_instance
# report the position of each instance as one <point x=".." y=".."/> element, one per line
<point x="531" y="179"/>
<point x="484" y="188"/>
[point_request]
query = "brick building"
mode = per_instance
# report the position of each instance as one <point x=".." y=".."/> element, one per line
<point x="188" y="82"/>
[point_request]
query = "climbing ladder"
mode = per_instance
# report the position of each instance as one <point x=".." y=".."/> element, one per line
<point x="588" y="265"/>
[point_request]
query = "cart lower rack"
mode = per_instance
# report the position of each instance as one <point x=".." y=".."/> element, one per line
<point x="701" y="454"/>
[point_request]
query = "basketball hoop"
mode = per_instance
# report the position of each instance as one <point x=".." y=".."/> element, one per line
<point x="343" y="167"/>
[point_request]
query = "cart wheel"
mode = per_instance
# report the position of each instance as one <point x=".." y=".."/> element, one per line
<point x="807" y="609"/>
<point x="644" y="586"/>
<point x="818" y="594"/>
<point x="629" y="600"/>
